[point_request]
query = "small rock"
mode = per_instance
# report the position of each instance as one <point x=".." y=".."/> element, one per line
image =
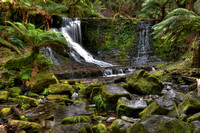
<point x="110" y="119"/>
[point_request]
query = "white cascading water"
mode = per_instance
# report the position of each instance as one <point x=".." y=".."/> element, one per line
<point x="50" y="53"/>
<point x="143" y="43"/>
<point x="71" y="30"/>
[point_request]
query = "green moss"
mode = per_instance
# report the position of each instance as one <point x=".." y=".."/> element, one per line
<point x="27" y="100"/>
<point x="31" y="94"/>
<point x="194" y="117"/>
<point x="76" y="119"/>
<point x="27" y="126"/>
<point x="61" y="89"/>
<point x="25" y="106"/>
<point x="89" y="88"/>
<point x="57" y="97"/>
<point x="44" y="79"/>
<point x="15" y="91"/>
<point x="161" y="124"/>
<point x="4" y="96"/>
<point x="145" y="83"/>
<point x="5" y="112"/>
<point x="153" y="108"/>
<point x="100" y="128"/>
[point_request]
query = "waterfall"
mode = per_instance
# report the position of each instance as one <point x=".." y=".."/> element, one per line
<point x="143" y="40"/>
<point x="71" y="30"/>
<point x="50" y="53"/>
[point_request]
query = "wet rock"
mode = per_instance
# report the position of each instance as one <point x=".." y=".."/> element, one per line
<point x="164" y="104"/>
<point x="120" y="126"/>
<point x="27" y="126"/>
<point x="189" y="106"/>
<point x="15" y="91"/>
<point x="194" y="117"/>
<point x="110" y="119"/>
<point x="111" y="93"/>
<point x="143" y="82"/>
<point x="130" y="107"/>
<point x="160" y="124"/>
<point x="99" y="128"/>
<point x="46" y="78"/>
<point x="4" y="96"/>
<point x="76" y="119"/>
<point x="61" y="89"/>
<point x="73" y="128"/>
<point x="196" y="125"/>
<point x="99" y="118"/>
<point x="129" y="119"/>
<point x="89" y="88"/>
<point x="27" y="100"/>
<point x="5" y="112"/>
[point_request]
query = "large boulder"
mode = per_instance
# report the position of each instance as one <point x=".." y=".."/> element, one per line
<point x="42" y="81"/>
<point x="61" y="89"/>
<point x="160" y="124"/>
<point x="188" y="107"/>
<point x="127" y="107"/>
<point x="143" y="82"/>
<point x="111" y="93"/>
<point x="164" y="104"/>
<point x="120" y="126"/>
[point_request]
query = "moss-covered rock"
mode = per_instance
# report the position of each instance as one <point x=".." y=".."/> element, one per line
<point x="43" y="80"/>
<point x="5" y="112"/>
<point x="90" y="87"/>
<point x="189" y="106"/>
<point x="28" y="100"/>
<point x="130" y="107"/>
<point x="111" y="93"/>
<point x="15" y="91"/>
<point x="27" y="126"/>
<point x="165" y="104"/>
<point x="99" y="128"/>
<point x="73" y="128"/>
<point x="194" y="117"/>
<point x="120" y="126"/>
<point x="31" y="94"/>
<point x="61" y="89"/>
<point x="4" y="96"/>
<point x="160" y="124"/>
<point x="144" y="83"/>
<point x="25" y="106"/>
<point x="95" y="92"/>
<point x="61" y="98"/>
<point x="162" y="75"/>
<point x="76" y="119"/>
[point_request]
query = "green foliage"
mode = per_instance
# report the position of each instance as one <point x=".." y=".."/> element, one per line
<point x="99" y="102"/>
<point x="176" y="25"/>
<point x="46" y="91"/>
<point x="79" y="119"/>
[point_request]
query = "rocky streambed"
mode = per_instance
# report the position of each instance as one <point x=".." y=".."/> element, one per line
<point x="142" y="102"/>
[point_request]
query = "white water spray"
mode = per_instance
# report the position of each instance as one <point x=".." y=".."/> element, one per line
<point x="71" y="30"/>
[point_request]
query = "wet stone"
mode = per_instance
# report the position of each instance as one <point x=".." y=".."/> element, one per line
<point x="120" y="126"/>
<point x="110" y="119"/>
<point x="130" y="107"/>
<point x="111" y="93"/>
<point x="130" y="119"/>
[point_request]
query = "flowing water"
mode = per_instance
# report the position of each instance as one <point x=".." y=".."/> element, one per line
<point x="143" y="41"/>
<point x="71" y="30"/>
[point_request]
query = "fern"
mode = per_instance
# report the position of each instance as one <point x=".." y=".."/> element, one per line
<point x="99" y="102"/>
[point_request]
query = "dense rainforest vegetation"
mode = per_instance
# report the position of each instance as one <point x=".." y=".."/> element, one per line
<point x="30" y="80"/>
